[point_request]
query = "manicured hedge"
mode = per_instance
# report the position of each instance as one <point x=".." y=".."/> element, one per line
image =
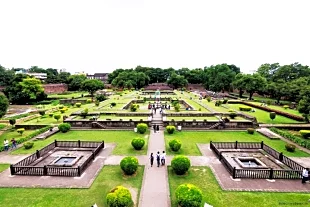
<point x="64" y="127"/>
<point x="138" y="143"/>
<point x="180" y="164"/>
<point x="30" y="136"/>
<point x="119" y="197"/>
<point x="129" y="165"/>
<point x="245" y="108"/>
<point x="170" y="129"/>
<point x="175" y="145"/>
<point x="294" y="138"/>
<point x="250" y="130"/>
<point x="188" y="195"/>
<point x="290" y="147"/>
<point x="141" y="128"/>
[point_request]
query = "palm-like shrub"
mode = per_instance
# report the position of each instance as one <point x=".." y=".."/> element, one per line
<point x="180" y="164"/>
<point x="170" y="129"/>
<point x="141" y="128"/>
<point x="129" y="165"/>
<point x="119" y="197"/>
<point x="188" y="195"/>
<point x="138" y="143"/>
<point x="272" y="115"/>
<point x="12" y="121"/>
<point x="175" y="145"/>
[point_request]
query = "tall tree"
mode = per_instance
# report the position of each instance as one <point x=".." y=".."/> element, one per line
<point x="74" y="82"/>
<point x="177" y="81"/>
<point x="32" y="86"/>
<point x="4" y="104"/>
<point x="92" y="85"/>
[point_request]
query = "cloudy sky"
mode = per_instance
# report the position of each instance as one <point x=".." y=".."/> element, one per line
<point x="102" y="35"/>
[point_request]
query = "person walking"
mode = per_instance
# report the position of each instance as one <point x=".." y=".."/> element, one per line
<point x="157" y="128"/>
<point x="6" y="144"/>
<point x="154" y="127"/>
<point x="163" y="158"/>
<point x="305" y="175"/>
<point x="13" y="143"/>
<point x="158" y="159"/>
<point x="152" y="159"/>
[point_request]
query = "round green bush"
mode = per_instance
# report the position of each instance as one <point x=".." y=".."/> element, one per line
<point x="245" y="108"/>
<point x="20" y="131"/>
<point x="272" y="115"/>
<point x="138" y="143"/>
<point x="88" y="101"/>
<point x="170" y="129"/>
<point x="305" y="133"/>
<point x="286" y="106"/>
<point x="50" y="114"/>
<point x="175" y="145"/>
<point x="57" y="116"/>
<point x="232" y="115"/>
<point x="188" y="195"/>
<point x="290" y="147"/>
<point x="134" y="107"/>
<point x="129" y="165"/>
<point x="180" y="164"/>
<point x="141" y="128"/>
<point x="250" y="130"/>
<point x="42" y="113"/>
<point x="97" y="103"/>
<point x="78" y="105"/>
<point x="62" y="111"/>
<point x="61" y="107"/>
<point x="12" y="121"/>
<point x="64" y="127"/>
<point x="119" y="197"/>
<point x="113" y="104"/>
<point x="28" y="145"/>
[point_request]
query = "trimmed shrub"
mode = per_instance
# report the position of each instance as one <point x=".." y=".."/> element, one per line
<point x="78" y="105"/>
<point x="225" y="101"/>
<point x="286" y="106"/>
<point x="170" y="129"/>
<point x="305" y="133"/>
<point x="28" y="145"/>
<point x="62" y="111"/>
<point x="188" y="195"/>
<point x="134" y="107"/>
<point x="64" y="127"/>
<point x="88" y="101"/>
<point x="97" y="103"/>
<point x="232" y="115"/>
<point x="20" y="131"/>
<point x="177" y="107"/>
<point x="180" y="164"/>
<point x="245" y="108"/>
<point x="175" y="145"/>
<point x="141" y="128"/>
<point x="12" y="121"/>
<point x="42" y="113"/>
<point x="57" y="116"/>
<point x="250" y="130"/>
<point x="209" y="99"/>
<point x="138" y="143"/>
<point x="272" y="115"/>
<point x="119" y="197"/>
<point x="100" y="97"/>
<point x="60" y="107"/>
<point x="84" y="113"/>
<point x="51" y="115"/>
<point x="218" y="103"/>
<point x="290" y="147"/>
<point x="129" y="165"/>
<point x="113" y="104"/>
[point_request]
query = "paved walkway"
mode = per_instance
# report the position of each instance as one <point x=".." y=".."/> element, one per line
<point x="155" y="190"/>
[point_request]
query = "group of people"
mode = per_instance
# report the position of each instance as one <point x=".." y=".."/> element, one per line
<point x="305" y="175"/>
<point x="160" y="158"/>
<point x="156" y="128"/>
<point x="6" y="144"/>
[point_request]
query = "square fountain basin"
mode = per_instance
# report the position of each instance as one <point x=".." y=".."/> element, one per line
<point x="65" y="161"/>
<point x="250" y="162"/>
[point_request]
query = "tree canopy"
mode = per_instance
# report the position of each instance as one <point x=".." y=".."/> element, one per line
<point x="92" y="85"/>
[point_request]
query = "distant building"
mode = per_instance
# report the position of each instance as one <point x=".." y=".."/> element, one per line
<point x="99" y="76"/>
<point x="40" y="76"/>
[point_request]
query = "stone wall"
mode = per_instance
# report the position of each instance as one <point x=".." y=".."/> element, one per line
<point x="55" y="88"/>
<point x="207" y="124"/>
<point x="102" y="124"/>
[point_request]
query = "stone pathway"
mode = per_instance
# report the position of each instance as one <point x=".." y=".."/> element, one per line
<point x="155" y="190"/>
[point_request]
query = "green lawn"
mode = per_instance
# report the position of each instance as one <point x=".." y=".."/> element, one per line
<point x="189" y="140"/>
<point x="2" y="126"/>
<point x="199" y="118"/>
<point x="68" y="95"/>
<point x="263" y="116"/>
<point x="12" y="133"/>
<point x="203" y="178"/>
<point x="212" y="105"/>
<point x="3" y="167"/>
<point x="121" y="138"/>
<point x="108" y="178"/>
<point x="280" y="108"/>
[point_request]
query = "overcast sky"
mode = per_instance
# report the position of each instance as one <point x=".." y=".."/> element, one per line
<point x="103" y="35"/>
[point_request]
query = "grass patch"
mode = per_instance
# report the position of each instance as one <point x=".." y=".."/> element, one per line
<point x="263" y="116"/>
<point x="108" y="178"/>
<point x="203" y="178"/>
<point x="12" y="133"/>
<point x="280" y="108"/>
<point x="199" y="118"/>
<point x="2" y="126"/>
<point x="190" y="139"/>
<point x="121" y="138"/>
<point x="3" y="167"/>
